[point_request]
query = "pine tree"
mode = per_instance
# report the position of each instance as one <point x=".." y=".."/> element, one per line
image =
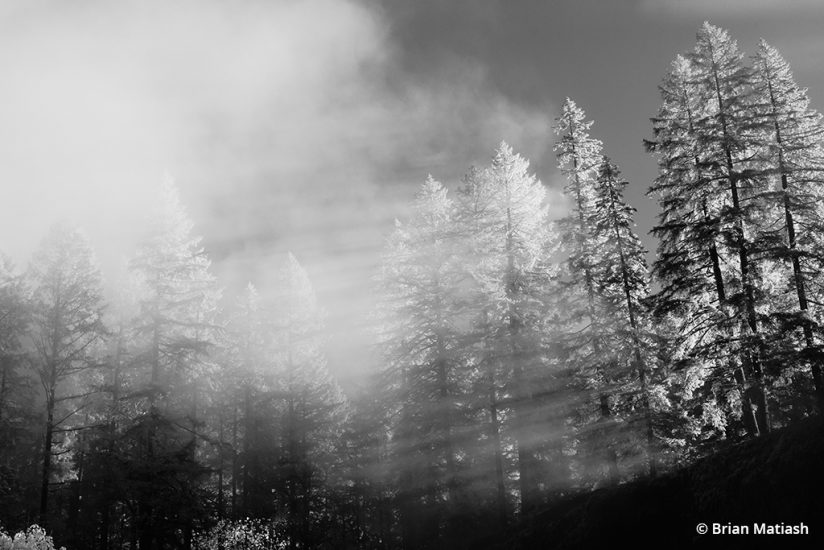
<point x="701" y="145"/>
<point x="312" y="408"/>
<point x="102" y="475"/>
<point x="486" y="375"/>
<point x="620" y="271"/>
<point x="421" y="280"/>
<point x="176" y="326"/>
<point x="723" y="83"/>
<point x="67" y="304"/>
<point x="250" y="381"/>
<point x="792" y="158"/>
<point x="582" y="333"/>
<point x="366" y="500"/>
<point x="579" y="157"/>
<point x="513" y="243"/>
<point x="692" y="298"/>
<point x="178" y="305"/>
<point x="20" y="450"/>
<point x="13" y="322"/>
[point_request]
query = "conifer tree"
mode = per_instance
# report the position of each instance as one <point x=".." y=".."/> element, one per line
<point x="103" y="492"/>
<point x="311" y="406"/>
<point x="19" y="411"/>
<point x="422" y="277"/>
<point x="792" y="159"/>
<point x="583" y="346"/>
<point x="701" y="148"/>
<point x="579" y="158"/>
<point x="513" y="244"/>
<point x="487" y="377"/>
<point x="250" y="380"/>
<point x="620" y="271"/>
<point x="13" y="323"/>
<point x="176" y="327"/>
<point x="723" y="83"/>
<point x="67" y="304"/>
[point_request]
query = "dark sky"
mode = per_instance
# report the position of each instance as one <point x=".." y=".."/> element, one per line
<point x="307" y="125"/>
<point x="609" y="56"/>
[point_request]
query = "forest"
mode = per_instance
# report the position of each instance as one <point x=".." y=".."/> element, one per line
<point x="522" y="359"/>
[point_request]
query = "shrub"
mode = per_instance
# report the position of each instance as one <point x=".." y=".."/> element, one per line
<point x="33" y="538"/>
<point x="245" y="534"/>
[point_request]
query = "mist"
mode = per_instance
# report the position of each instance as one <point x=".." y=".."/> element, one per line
<point x="288" y="126"/>
<point x="381" y="275"/>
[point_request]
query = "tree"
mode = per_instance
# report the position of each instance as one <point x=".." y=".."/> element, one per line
<point x="701" y="145"/>
<point x="722" y="83"/>
<point x="250" y="382"/>
<point x="421" y="279"/>
<point x="311" y="407"/>
<point x="18" y="405"/>
<point x="475" y="200"/>
<point x="620" y="270"/>
<point x="101" y="491"/>
<point x="582" y="333"/>
<point x="176" y="329"/>
<point x="365" y="502"/>
<point x="513" y="242"/>
<point x="792" y="159"/>
<point x="67" y="304"/>
<point x="13" y="320"/>
<point x="693" y="292"/>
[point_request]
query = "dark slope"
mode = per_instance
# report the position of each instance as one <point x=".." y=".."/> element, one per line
<point x="776" y="478"/>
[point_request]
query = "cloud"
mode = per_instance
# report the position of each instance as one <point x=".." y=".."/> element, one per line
<point x="738" y="8"/>
<point x="104" y="97"/>
<point x="287" y="125"/>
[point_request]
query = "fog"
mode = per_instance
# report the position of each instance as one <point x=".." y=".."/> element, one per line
<point x="288" y="126"/>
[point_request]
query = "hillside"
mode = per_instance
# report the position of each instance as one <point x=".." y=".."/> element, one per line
<point x="776" y="478"/>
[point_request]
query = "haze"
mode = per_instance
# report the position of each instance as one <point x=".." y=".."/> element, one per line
<point x="307" y="126"/>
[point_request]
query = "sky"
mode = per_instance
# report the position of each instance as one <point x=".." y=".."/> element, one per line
<point x="308" y="125"/>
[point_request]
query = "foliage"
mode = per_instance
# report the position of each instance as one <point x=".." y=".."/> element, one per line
<point x="33" y="538"/>
<point x="245" y="534"/>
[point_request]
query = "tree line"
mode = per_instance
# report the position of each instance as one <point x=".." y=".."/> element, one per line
<point x="521" y="358"/>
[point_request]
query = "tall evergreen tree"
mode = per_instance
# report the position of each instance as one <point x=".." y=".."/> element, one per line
<point x="67" y="304"/>
<point x="311" y="407"/>
<point x="102" y="492"/>
<point x="176" y="325"/>
<point x="19" y="412"/>
<point x="620" y="271"/>
<point x="723" y="83"/>
<point x="792" y="159"/>
<point x="14" y="318"/>
<point x="701" y="148"/>
<point x="487" y="377"/>
<point x="422" y="278"/>
<point x="583" y="345"/>
<point x="250" y="381"/>
<point x="513" y="244"/>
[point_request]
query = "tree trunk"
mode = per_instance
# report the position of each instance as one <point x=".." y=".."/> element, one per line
<point x="747" y="412"/>
<point x="235" y="463"/>
<point x="221" y="513"/>
<point x="589" y="283"/>
<point x="748" y="356"/>
<point x="636" y="346"/>
<point x="798" y="278"/>
<point x="4" y="367"/>
<point x="46" y="459"/>
<point x="248" y="434"/>
<point x="527" y="461"/>
<point x="496" y="450"/>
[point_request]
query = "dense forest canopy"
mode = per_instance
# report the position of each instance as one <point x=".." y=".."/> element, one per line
<point x="520" y="357"/>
